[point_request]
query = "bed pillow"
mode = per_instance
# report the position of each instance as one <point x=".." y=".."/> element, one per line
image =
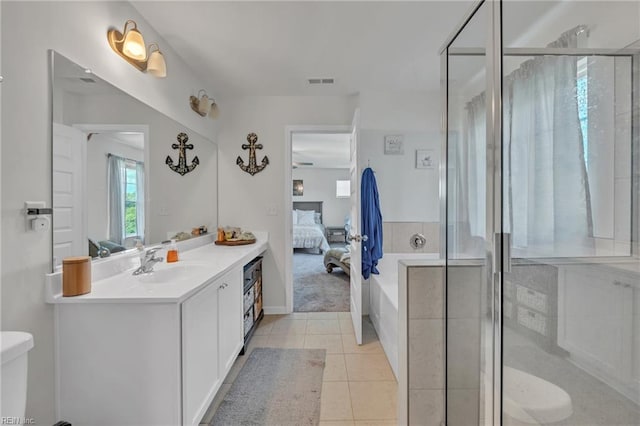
<point x="306" y="217"/>
<point x="295" y="217"/>
<point x="317" y="217"/>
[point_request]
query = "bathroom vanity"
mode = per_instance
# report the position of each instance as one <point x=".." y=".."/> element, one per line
<point x="151" y="349"/>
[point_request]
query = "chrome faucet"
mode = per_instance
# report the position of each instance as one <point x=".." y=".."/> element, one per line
<point x="147" y="260"/>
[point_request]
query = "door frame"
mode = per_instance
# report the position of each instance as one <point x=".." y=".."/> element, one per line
<point x="287" y="202"/>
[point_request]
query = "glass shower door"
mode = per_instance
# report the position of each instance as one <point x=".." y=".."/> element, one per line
<point x="571" y="289"/>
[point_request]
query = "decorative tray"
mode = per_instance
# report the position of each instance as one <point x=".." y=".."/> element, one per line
<point x="235" y="242"/>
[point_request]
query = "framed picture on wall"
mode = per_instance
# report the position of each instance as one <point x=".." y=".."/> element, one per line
<point x="298" y="188"/>
<point x="425" y="159"/>
<point x="394" y="145"/>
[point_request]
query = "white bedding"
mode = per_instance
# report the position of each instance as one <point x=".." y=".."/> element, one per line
<point x="310" y="236"/>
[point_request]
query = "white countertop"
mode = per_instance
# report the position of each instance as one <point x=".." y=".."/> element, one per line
<point x="196" y="268"/>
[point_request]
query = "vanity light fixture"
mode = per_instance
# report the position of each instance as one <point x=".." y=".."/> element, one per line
<point x="202" y="105"/>
<point x="131" y="47"/>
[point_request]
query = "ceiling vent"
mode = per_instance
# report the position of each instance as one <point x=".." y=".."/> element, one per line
<point x="320" y="81"/>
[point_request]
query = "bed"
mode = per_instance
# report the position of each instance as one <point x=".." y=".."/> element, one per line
<point x="308" y="231"/>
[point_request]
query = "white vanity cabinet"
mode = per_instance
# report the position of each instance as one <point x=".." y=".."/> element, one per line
<point x="598" y="325"/>
<point x="148" y="363"/>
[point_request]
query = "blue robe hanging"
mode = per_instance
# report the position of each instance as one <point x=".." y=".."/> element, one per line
<point x="371" y="224"/>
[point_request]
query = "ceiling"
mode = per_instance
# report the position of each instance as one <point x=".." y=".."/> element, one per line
<point x="324" y="150"/>
<point x="272" y="48"/>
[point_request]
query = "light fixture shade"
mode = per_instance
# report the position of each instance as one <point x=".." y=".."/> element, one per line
<point x="214" y="112"/>
<point x="156" y="65"/>
<point x="133" y="45"/>
<point x="203" y="105"/>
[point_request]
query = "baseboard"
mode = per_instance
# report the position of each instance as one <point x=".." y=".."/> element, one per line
<point x="275" y="310"/>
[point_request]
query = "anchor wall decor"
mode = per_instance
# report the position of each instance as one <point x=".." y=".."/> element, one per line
<point x="182" y="147"/>
<point x="252" y="168"/>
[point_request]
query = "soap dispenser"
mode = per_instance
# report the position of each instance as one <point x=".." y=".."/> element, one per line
<point x="172" y="252"/>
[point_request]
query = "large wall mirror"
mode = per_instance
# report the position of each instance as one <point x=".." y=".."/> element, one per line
<point x="110" y="184"/>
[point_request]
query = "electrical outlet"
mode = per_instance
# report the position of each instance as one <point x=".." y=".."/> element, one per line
<point x="27" y="219"/>
<point x="163" y="211"/>
<point x="272" y="210"/>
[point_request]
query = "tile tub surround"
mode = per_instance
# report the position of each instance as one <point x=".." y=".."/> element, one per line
<point x="383" y="299"/>
<point x="358" y="385"/>
<point x="421" y="349"/>
<point x="397" y="236"/>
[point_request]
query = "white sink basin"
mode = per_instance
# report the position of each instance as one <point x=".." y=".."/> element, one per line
<point x="166" y="274"/>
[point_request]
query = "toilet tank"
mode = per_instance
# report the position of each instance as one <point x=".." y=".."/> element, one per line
<point x="15" y="346"/>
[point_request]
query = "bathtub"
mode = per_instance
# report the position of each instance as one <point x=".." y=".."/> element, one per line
<point x="383" y="301"/>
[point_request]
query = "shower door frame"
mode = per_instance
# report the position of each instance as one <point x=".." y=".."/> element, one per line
<point x="493" y="229"/>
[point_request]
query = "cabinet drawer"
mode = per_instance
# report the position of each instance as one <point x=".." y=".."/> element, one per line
<point x="531" y="298"/>
<point x="248" y="321"/>
<point x="532" y="320"/>
<point x="249" y="299"/>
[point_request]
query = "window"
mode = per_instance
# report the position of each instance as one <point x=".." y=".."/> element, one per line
<point x="130" y="200"/>
<point x="343" y="188"/>
<point x="583" y="106"/>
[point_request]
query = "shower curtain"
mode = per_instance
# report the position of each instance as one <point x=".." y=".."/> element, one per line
<point x="546" y="194"/>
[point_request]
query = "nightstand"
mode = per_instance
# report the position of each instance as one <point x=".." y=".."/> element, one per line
<point x="336" y="234"/>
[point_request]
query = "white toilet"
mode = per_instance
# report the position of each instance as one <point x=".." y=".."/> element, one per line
<point x="15" y="346"/>
<point x="530" y="400"/>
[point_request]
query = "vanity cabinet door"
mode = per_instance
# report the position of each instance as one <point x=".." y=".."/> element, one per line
<point x="200" y="377"/>
<point x="230" y="318"/>
<point x="595" y="321"/>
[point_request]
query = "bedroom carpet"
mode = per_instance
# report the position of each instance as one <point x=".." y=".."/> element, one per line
<point x="275" y="387"/>
<point x="315" y="290"/>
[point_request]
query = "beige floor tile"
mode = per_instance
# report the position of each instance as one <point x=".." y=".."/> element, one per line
<point x="346" y="326"/>
<point x="344" y="315"/>
<point x="369" y="345"/>
<point x="268" y="319"/>
<point x="375" y="423"/>
<point x="373" y="400"/>
<point x="263" y="329"/>
<point x="323" y="326"/>
<point x="293" y="341"/>
<point x="297" y="315"/>
<point x="331" y="342"/>
<point x="235" y="369"/>
<point x="257" y="342"/>
<point x="335" y="369"/>
<point x="336" y="423"/>
<point x="322" y="315"/>
<point x="289" y="326"/>
<point x="368" y="367"/>
<point x="335" y="403"/>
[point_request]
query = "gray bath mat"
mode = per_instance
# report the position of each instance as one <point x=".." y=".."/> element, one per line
<point x="275" y="387"/>
<point x="315" y="290"/>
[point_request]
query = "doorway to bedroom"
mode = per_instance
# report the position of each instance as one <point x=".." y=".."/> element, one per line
<point x="320" y="207"/>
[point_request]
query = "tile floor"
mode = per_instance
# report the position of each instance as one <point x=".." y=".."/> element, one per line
<point x="358" y="387"/>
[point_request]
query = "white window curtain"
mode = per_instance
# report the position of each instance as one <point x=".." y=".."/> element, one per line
<point x="116" y="170"/>
<point x="547" y="200"/>
<point x="140" y="200"/>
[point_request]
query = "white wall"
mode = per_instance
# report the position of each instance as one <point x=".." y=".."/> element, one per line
<point x="406" y="194"/>
<point x="175" y="203"/>
<point x="78" y="31"/>
<point x="320" y="185"/>
<point x="97" y="180"/>
<point x="245" y="199"/>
